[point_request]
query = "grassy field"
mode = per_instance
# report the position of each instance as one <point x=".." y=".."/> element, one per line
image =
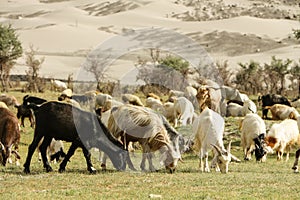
<point x="245" y="180"/>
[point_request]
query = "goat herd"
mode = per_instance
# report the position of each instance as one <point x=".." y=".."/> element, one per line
<point x="97" y="120"/>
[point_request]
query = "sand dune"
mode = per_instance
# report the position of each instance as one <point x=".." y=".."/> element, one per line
<point x="65" y="31"/>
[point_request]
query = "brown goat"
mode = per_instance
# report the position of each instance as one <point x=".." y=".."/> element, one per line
<point x="9" y="135"/>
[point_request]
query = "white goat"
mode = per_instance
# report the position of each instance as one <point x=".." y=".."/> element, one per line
<point x="168" y="111"/>
<point x="183" y="111"/>
<point x="154" y="104"/>
<point x="282" y="137"/>
<point x="253" y="129"/>
<point x="132" y="99"/>
<point x="208" y="130"/>
<point x="58" y="85"/>
<point x="281" y="112"/>
<point x="236" y="110"/>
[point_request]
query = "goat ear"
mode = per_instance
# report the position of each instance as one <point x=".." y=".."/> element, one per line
<point x="217" y="148"/>
<point x="229" y="147"/>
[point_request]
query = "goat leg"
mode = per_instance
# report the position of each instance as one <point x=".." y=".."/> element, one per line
<point x="62" y="166"/>
<point x="295" y="166"/>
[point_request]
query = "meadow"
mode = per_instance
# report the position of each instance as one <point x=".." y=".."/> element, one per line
<point x="246" y="180"/>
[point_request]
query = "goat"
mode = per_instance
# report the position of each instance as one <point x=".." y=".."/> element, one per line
<point x="183" y="111"/>
<point x="235" y="110"/>
<point x="208" y="130"/>
<point x="168" y="111"/>
<point x="9" y="100"/>
<point x="9" y="136"/>
<point x="270" y="100"/>
<point x="84" y="129"/>
<point x="3" y="105"/>
<point x="281" y="137"/>
<point x="58" y="85"/>
<point x="132" y="99"/>
<point x="281" y="112"/>
<point x="55" y="151"/>
<point x="154" y="104"/>
<point x="25" y="112"/>
<point x="33" y="100"/>
<point x="138" y="124"/>
<point x="295" y="166"/>
<point x="101" y="98"/>
<point x="210" y="96"/>
<point x="253" y="131"/>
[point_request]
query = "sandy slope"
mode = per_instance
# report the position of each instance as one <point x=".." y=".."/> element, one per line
<point x="65" y="31"/>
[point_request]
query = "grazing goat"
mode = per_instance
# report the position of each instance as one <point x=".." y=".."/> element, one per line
<point x="235" y="110"/>
<point x="66" y="96"/>
<point x="281" y="137"/>
<point x="138" y="124"/>
<point x="168" y="111"/>
<point x="281" y="112"/>
<point x="55" y="151"/>
<point x="154" y="104"/>
<point x="33" y="100"/>
<point x="183" y="111"/>
<point x="58" y="85"/>
<point x="9" y="136"/>
<point x="132" y="99"/>
<point x="208" y="130"/>
<point x="270" y="100"/>
<point x="101" y="99"/>
<point x="84" y="129"/>
<point x="9" y="100"/>
<point x="253" y="131"/>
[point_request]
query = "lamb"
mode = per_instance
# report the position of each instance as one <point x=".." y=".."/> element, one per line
<point x="281" y="112"/>
<point x="208" y="130"/>
<point x="282" y="137"/>
<point x="132" y="99"/>
<point x="9" y="136"/>
<point x="253" y="131"/>
<point x="25" y="112"/>
<point x="138" y="124"/>
<point x="55" y="151"/>
<point x="183" y="111"/>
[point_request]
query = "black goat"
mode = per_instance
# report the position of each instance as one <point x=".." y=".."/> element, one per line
<point x="270" y="100"/>
<point x="84" y="129"/>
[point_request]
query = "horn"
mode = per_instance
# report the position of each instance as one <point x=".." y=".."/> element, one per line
<point x="229" y="147"/>
<point x="217" y="148"/>
<point x="16" y="154"/>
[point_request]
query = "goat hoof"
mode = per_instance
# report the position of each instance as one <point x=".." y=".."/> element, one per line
<point x="92" y="170"/>
<point x="49" y="169"/>
<point x="26" y="171"/>
<point x="61" y="170"/>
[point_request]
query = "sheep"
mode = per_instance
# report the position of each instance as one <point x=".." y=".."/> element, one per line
<point x="84" y="129"/>
<point x="282" y="136"/>
<point x="183" y="111"/>
<point x="134" y="123"/>
<point x="253" y="131"/>
<point x="208" y="130"/>
<point x="281" y="112"/>
<point x="235" y="110"/>
<point x="132" y="99"/>
<point x="58" y="85"/>
<point x="9" y="136"/>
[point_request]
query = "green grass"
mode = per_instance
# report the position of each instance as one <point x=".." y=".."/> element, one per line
<point x="245" y="180"/>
